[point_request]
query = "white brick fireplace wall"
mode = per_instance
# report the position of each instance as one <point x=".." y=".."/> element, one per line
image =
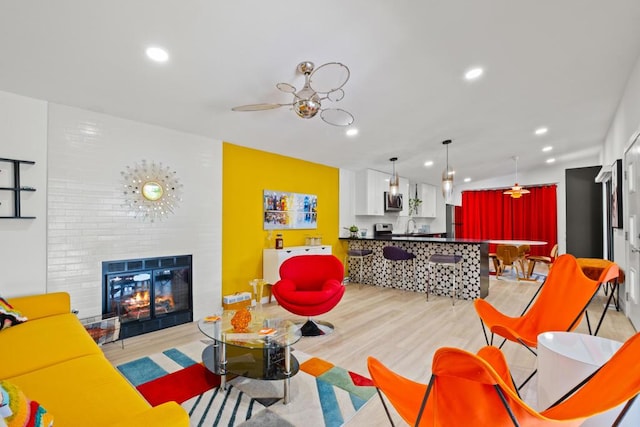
<point x="87" y="223"/>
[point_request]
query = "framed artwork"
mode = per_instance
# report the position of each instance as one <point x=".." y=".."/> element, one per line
<point x="284" y="210"/>
<point x="616" y="194"/>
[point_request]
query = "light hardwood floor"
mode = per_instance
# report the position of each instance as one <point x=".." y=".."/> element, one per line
<point x="401" y="329"/>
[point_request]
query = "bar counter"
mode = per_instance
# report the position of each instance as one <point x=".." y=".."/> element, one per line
<point x="377" y="270"/>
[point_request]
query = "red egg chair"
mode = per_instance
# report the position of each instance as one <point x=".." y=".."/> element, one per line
<point x="310" y="285"/>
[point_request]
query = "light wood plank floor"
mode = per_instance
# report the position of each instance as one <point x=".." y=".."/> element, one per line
<point x="400" y="328"/>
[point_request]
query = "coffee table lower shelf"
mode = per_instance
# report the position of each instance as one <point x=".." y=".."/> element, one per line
<point x="268" y="363"/>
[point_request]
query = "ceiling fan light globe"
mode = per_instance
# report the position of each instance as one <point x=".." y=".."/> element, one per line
<point x="306" y="108"/>
<point x="306" y="67"/>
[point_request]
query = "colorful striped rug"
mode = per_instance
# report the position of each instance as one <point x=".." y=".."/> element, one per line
<point x="322" y="394"/>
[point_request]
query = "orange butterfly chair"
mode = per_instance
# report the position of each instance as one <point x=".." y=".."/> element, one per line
<point x="560" y="305"/>
<point x="606" y="273"/>
<point x="477" y="390"/>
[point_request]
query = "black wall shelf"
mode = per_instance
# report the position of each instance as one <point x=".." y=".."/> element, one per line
<point x="17" y="189"/>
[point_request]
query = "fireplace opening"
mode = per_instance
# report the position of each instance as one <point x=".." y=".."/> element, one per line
<point x="148" y="294"/>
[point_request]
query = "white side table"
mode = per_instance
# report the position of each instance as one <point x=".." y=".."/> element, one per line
<point x="565" y="359"/>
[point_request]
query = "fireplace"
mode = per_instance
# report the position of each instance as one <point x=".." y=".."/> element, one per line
<point x="148" y="294"/>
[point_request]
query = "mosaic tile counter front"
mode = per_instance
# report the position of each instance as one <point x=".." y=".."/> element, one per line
<point x="380" y="272"/>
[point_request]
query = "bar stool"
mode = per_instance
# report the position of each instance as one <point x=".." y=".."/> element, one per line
<point x="359" y="255"/>
<point x="454" y="261"/>
<point x="395" y="254"/>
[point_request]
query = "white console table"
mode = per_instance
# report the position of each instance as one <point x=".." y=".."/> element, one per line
<point x="273" y="258"/>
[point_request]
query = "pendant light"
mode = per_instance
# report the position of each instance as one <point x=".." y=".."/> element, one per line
<point x="394" y="181"/>
<point x="447" y="176"/>
<point x="516" y="191"/>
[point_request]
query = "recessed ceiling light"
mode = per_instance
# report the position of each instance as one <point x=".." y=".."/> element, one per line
<point x="541" y="131"/>
<point x="467" y="179"/>
<point x="473" y="73"/>
<point x="352" y="132"/>
<point x="157" y="54"/>
<point x="428" y="163"/>
<point x="551" y="160"/>
<point x="547" y="148"/>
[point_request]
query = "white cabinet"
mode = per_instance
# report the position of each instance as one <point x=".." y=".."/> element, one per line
<point x="273" y="258"/>
<point x="404" y="190"/>
<point x="370" y="188"/>
<point x="427" y="193"/>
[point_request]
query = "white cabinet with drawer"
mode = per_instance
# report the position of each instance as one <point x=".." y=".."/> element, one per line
<point x="272" y="259"/>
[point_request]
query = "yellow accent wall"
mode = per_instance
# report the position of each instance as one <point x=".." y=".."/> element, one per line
<point x="246" y="173"/>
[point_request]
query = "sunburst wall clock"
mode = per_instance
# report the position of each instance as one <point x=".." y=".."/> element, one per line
<point x="151" y="190"/>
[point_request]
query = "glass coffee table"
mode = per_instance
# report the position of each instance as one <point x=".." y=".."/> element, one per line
<point x="262" y="352"/>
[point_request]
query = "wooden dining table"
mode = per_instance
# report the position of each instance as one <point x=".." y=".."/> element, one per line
<point x="518" y="242"/>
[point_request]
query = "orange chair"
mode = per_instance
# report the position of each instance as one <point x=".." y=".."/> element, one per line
<point x="560" y="305"/>
<point x="476" y="390"/>
<point x="607" y="273"/>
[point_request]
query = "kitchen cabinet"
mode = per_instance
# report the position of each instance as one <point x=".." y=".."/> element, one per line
<point x="272" y="259"/>
<point x="427" y="193"/>
<point x="370" y="188"/>
<point x="404" y="190"/>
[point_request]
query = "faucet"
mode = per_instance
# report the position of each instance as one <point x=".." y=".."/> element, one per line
<point x="411" y="222"/>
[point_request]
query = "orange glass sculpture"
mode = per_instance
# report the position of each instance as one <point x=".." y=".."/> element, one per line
<point x="240" y="321"/>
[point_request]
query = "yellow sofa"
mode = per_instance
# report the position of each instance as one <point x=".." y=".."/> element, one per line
<point x="54" y="361"/>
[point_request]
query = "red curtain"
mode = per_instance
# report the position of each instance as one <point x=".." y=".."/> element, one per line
<point x="490" y="214"/>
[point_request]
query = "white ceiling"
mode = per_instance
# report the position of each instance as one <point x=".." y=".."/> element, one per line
<point x="562" y="64"/>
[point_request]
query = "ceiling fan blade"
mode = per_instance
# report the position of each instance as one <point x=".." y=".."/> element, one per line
<point x="257" y="107"/>
<point x="329" y="77"/>
<point x="286" y="87"/>
<point x="336" y="117"/>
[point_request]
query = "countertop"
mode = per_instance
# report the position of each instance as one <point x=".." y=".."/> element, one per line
<point x="415" y="238"/>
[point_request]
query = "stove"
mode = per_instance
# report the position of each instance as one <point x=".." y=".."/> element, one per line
<point x="382" y="229"/>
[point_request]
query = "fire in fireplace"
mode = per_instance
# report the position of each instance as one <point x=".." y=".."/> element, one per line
<point x="148" y="294"/>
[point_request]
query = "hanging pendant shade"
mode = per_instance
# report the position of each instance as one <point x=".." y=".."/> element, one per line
<point x="516" y="191"/>
<point x="394" y="180"/>
<point x="447" y="176"/>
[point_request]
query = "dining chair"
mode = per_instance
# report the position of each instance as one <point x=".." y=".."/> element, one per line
<point x="548" y="260"/>
<point x="508" y="256"/>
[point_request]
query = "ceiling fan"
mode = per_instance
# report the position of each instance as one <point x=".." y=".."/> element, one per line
<point x="320" y="84"/>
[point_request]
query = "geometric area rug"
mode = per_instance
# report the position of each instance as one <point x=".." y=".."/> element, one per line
<point x="322" y="394"/>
